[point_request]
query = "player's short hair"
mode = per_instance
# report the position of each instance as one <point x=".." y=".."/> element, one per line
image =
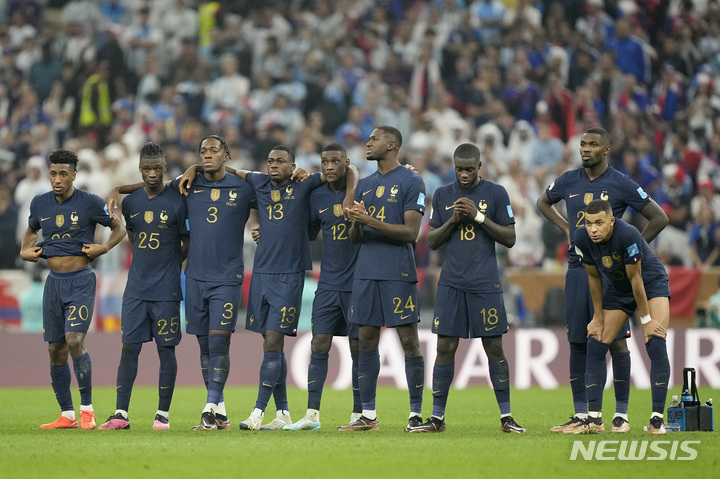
<point x="596" y="130"/>
<point x="287" y="149"/>
<point x="335" y="147"/>
<point x="151" y="151"/>
<point x="598" y="206"/>
<point x="64" y="157"/>
<point x="392" y="131"/>
<point x="222" y="143"/>
<point x="467" y="150"/>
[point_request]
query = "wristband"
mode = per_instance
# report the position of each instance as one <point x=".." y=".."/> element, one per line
<point x="645" y="319"/>
<point x="479" y="217"/>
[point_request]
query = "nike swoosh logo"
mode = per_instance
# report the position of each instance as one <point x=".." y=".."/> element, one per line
<point x="198" y="191"/>
<point x="573" y="196"/>
<point x="659" y="384"/>
<point x="573" y="379"/>
<point x="504" y="380"/>
<point x="223" y="323"/>
<point x="75" y="324"/>
<point x="590" y="385"/>
<point x="368" y="191"/>
<point x="133" y="216"/>
<point x="285" y="326"/>
<point x="169" y="339"/>
<point x="219" y="369"/>
<point x="619" y="380"/>
<point x="44" y="219"/>
<point x="323" y="211"/>
<point x="490" y="328"/>
<point x="164" y="387"/>
<point x="405" y="317"/>
<point x="436" y="392"/>
<point x="266" y="385"/>
<point x="418" y="386"/>
<point x="360" y="377"/>
<point x="449" y="207"/>
<point x="310" y="382"/>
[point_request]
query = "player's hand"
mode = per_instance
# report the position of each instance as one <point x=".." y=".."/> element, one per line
<point x="595" y="327"/>
<point x="654" y="328"/>
<point x="410" y="167"/>
<point x="357" y="214"/>
<point x="299" y="175"/>
<point x="186" y="179"/>
<point x="93" y="250"/>
<point x="113" y="200"/>
<point x="31" y="254"/>
<point x="255" y="233"/>
<point x="466" y="207"/>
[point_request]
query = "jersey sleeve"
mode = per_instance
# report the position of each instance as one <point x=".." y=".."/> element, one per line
<point x="415" y="197"/>
<point x="183" y="220"/>
<point x="631" y="240"/>
<point x="435" y="220"/>
<point x="502" y="211"/>
<point x="636" y="197"/>
<point x="556" y="190"/>
<point x="98" y="211"/>
<point x="125" y="208"/>
<point x="33" y="219"/>
<point x="314" y="218"/>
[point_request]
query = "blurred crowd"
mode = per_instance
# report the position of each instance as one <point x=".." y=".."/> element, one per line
<point x="520" y="78"/>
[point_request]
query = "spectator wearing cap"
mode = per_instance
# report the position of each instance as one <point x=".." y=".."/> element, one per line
<point x="706" y="195"/>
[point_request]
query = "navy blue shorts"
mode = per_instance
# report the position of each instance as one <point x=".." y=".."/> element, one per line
<point x="330" y="312"/>
<point x="68" y="303"/>
<point x="144" y="320"/>
<point x="384" y="303"/>
<point x="461" y="314"/>
<point x="579" y="307"/>
<point x="614" y="299"/>
<point x="211" y="305"/>
<point x="275" y="302"/>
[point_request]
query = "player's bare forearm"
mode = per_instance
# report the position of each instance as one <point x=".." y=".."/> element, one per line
<point x="127" y="189"/>
<point x="355" y="232"/>
<point x="548" y="210"/>
<point x="439" y="236"/>
<point x="595" y="285"/>
<point x="407" y="231"/>
<point x="28" y="250"/>
<point x="634" y="272"/>
<point x="657" y="221"/>
<point x="505" y="235"/>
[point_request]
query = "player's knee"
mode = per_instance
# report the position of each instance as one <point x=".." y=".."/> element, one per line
<point x="619" y="346"/>
<point x="321" y="343"/>
<point x="75" y="345"/>
<point x="493" y="348"/>
<point x="58" y="353"/>
<point x="131" y="349"/>
<point x="273" y="342"/>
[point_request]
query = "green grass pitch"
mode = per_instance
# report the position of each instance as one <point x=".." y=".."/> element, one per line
<point x="472" y="446"/>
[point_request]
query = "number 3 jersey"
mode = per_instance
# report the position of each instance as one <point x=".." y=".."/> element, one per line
<point x="68" y="225"/>
<point x="576" y="188"/>
<point x="387" y="197"/>
<point x="218" y="211"/>
<point x="157" y="225"/>
<point x="470" y="263"/>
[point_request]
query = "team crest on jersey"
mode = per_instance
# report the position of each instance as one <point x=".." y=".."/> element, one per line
<point x="394" y="190"/>
<point x="275" y="195"/>
<point x="289" y="190"/>
<point x="148" y="217"/>
<point x="233" y="195"/>
<point x="587" y="198"/>
<point x="337" y="209"/>
<point x="163" y="219"/>
<point x="607" y="261"/>
<point x="59" y="220"/>
<point x="215" y="194"/>
<point x="616" y="257"/>
<point x="380" y="191"/>
<point x="604" y="196"/>
<point x="482" y="206"/>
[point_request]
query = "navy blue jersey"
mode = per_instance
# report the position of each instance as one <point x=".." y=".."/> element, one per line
<point x="470" y="263"/>
<point x="578" y="191"/>
<point x="157" y="224"/>
<point x="218" y="212"/>
<point x="68" y="225"/>
<point x="387" y="197"/>
<point x="284" y="213"/>
<point x="626" y="246"/>
<point x="339" y="254"/>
